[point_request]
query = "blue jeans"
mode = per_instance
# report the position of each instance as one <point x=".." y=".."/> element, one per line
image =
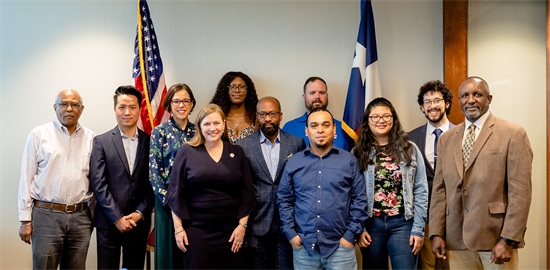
<point x="342" y="258"/>
<point x="390" y="236"/>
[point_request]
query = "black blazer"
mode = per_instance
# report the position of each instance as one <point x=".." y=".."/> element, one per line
<point x="118" y="192"/>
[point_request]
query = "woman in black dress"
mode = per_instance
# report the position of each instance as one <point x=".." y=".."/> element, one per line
<point x="211" y="196"/>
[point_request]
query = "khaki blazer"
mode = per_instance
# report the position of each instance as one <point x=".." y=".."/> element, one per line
<point x="473" y="208"/>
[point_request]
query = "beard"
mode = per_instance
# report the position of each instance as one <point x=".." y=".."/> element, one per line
<point x="312" y="106"/>
<point x="269" y="130"/>
<point x="323" y="146"/>
<point x="437" y="118"/>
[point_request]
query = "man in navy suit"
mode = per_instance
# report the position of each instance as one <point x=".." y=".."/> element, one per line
<point x="267" y="151"/>
<point x="436" y="101"/>
<point x="119" y="175"/>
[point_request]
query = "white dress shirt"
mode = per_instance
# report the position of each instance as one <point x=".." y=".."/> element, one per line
<point x="479" y="125"/>
<point x="430" y="140"/>
<point x="55" y="167"/>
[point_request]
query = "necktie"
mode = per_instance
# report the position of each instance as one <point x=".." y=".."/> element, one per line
<point x="437" y="133"/>
<point x="469" y="143"/>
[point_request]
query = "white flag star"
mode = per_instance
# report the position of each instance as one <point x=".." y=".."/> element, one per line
<point x="153" y="37"/>
<point x="144" y="18"/>
<point x="146" y="38"/>
<point x="155" y="56"/>
<point x="149" y="58"/>
<point x="152" y="78"/>
<point x="154" y="47"/>
<point x="148" y="48"/>
<point x="135" y="70"/>
<point x="360" y="60"/>
<point x="145" y="29"/>
<point x="156" y="67"/>
<point x="151" y="69"/>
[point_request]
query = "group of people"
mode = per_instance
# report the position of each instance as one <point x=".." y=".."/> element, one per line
<point x="234" y="190"/>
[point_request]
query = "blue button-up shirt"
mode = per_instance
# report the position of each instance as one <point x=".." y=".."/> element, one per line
<point x="271" y="152"/>
<point x="322" y="199"/>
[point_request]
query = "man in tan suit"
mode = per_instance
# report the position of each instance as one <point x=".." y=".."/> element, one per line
<point x="482" y="186"/>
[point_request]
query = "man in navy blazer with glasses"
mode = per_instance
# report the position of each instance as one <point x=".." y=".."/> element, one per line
<point x="267" y="151"/>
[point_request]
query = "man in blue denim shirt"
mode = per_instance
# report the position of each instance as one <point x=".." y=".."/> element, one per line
<point x="322" y="200"/>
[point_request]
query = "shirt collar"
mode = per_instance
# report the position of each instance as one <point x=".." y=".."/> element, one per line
<point x="430" y="129"/>
<point x="263" y="138"/>
<point x="333" y="148"/>
<point x="479" y="122"/>
<point x="124" y="136"/>
<point x="63" y="128"/>
<point x="177" y="126"/>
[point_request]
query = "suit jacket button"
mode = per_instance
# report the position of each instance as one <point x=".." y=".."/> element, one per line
<point x="466" y="211"/>
<point x="271" y="200"/>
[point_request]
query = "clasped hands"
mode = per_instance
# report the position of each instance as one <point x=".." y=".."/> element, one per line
<point x="126" y="223"/>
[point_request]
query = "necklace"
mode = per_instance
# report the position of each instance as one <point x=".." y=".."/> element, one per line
<point x="236" y="125"/>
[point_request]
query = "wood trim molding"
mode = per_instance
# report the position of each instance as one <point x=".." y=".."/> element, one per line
<point x="547" y="133"/>
<point x="455" y="42"/>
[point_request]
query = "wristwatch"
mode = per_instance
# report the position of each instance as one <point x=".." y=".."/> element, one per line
<point x="509" y="242"/>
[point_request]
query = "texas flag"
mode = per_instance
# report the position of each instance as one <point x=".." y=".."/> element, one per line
<point x="364" y="81"/>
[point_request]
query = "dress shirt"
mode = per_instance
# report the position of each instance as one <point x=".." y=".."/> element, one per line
<point x="55" y="167"/>
<point x="322" y="199"/>
<point x="430" y="140"/>
<point x="130" y="148"/>
<point x="271" y="152"/>
<point x="479" y="125"/>
<point x="297" y="127"/>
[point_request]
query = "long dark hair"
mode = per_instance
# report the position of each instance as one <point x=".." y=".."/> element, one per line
<point x="399" y="145"/>
<point x="221" y="97"/>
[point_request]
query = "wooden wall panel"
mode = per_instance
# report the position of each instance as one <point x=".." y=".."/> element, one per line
<point x="455" y="40"/>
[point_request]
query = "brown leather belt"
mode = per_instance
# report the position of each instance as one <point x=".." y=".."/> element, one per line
<point x="69" y="208"/>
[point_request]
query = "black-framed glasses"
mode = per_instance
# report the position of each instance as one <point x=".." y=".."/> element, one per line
<point x="234" y="88"/>
<point x="435" y="102"/>
<point x="64" y="105"/>
<point x="376" y="118"/>
<point x="272" y="115"/>
<point x="177" y="102"/>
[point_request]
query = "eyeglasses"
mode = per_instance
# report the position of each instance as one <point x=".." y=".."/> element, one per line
<point x="376" y="118"/>
<point x="234" y="88"/>
<point x="177" y="102"/>
<point x="436" y="102"/>
<point x="65" y="105"/>
<point x="272" y="115"/>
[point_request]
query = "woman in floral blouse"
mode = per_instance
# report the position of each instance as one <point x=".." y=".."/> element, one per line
<point x="397" y="190"/>
<point x="236" y="95"/>
<point x="166" y="139"/>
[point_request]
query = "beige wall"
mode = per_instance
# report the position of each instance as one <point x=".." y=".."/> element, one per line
<point x="507" y="48"/>
<point x="88" y="45"/>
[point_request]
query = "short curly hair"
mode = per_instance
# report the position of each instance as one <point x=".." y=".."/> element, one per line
<point x="436" y="86"/>
<point x="221" y="97"/>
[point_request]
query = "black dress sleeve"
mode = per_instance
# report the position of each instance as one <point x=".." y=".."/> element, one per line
<point x="248" y="199"/>
<point x="175" y="195"/>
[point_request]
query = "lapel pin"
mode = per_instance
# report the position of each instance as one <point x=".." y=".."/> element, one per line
<point x="289" y="156"/>
<point x="232" y="155"/>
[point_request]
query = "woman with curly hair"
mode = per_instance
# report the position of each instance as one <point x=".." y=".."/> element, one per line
<point x="397" y="190"/>
<point x="237" y="97"/>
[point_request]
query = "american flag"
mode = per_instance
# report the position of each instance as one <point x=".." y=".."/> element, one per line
<point x="148" y="73"/>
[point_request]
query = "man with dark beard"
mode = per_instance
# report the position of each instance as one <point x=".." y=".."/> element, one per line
<point x="267" y="151"/>
<point x="436" y="101"/>
<point x="316" y="96"/>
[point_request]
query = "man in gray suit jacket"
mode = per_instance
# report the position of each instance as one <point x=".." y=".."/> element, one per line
<point x="267" y="151"/>
<point x="436" y="101"/>
<point x="482" y="186"/>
